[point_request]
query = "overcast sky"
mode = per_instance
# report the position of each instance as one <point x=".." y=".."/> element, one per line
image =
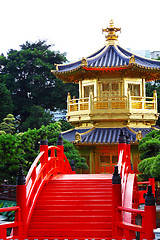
<point x="75" y="26"/>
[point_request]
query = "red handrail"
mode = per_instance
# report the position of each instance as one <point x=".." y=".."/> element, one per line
<point x="131" y="210"/>
<point x="16" y="225"/>
<point x="142" y="193"/>
<point x="34" y="165"/>
<point x="147" y="223"/>
<point x="125" y="208"/>
<point x="41" y="170"/>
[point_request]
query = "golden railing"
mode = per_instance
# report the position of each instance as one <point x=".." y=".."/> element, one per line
<point x="78" y="104"/>
<point x="148" y="103"/>
<point x="109" y="103"/>
<point x="130" y="103"/>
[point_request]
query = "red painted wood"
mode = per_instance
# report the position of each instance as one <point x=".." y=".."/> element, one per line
<point x="78" y="206"/>
<point x="73" y="208"/>
<point x="150" y="224"/>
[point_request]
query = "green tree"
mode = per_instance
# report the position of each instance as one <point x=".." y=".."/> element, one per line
<point x="50" y="132"/>
<point x="6" y="104"/>
<point x="11" y="155"/>
<point x="38" y="117"/>
<point x="9" y="124"/>
<point x="150" y="148"/>
<point x="65" y="125"/>
<point x="22" y="148"/>
<point x="27" y="74"/>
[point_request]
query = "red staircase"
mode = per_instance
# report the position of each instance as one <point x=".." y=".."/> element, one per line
<point x="73" y="206"/>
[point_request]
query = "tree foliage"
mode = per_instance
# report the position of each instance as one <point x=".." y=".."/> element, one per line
<point x="27" y="75"/>
<point x="22" y="148"/>
<point x="65" y="125"/>
<point x="6" y="104"/>
<point x="38" y="117"/>
<point x="11" y="155"/>
<point x="150" y="148"/>
<point x="9" y="124"/>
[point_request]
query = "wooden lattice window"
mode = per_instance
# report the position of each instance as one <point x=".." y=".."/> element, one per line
<point x="114" y="159"/>
<point x="105" y="87"/>
<point x="115" y="87"/>
<point x="134" y="89"/>
<point x="88" y="89"/>
<point x="111" y="89"/>
<point x="105" y="159"/>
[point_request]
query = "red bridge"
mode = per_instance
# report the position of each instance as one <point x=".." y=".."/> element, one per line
<point x="55" y="203"/>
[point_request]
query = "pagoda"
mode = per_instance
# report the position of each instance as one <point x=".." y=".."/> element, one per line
<point x="112" y="96"/>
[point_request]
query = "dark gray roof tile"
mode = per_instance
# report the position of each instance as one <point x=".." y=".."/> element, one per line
<point x="103" y="135"/>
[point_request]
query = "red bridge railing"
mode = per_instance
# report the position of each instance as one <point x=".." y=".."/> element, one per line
<point x="125" y="194"/>
<point x="50" y="161"/>
<point x="125" y="200"/>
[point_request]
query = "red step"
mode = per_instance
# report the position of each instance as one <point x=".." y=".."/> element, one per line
<point x="73" y="202"/>
<point x="72" y="212"/>
<point x="72" y="218"/>
<point x="73" y="208"/>
<point x="70" y="238"/>
<point x="68" y="225"/>
<point x="91" y="233"/>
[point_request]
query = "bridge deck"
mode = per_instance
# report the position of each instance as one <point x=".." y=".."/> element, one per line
<point x="73" y="206"/>
<point x="81" y="176"/>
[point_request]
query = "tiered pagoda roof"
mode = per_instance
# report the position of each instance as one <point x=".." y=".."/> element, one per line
<point x="104" y="135"/>
<point x="109" y="58"/>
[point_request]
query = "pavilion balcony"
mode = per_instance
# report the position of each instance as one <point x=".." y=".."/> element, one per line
<point x="95" y="107"/>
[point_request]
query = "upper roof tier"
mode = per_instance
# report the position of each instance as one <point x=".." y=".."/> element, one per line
<point x="110" y="58"/>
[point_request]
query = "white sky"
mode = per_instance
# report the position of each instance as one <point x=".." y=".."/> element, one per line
<point x="75" y="26"/>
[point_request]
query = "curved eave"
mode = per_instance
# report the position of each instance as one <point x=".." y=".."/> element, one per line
<point x="108" y="69"/>
<point x="132" y="65"/>
<point x="102" y="144"/>
<point x="81" y="72"/>
<point x="68" y="76"/>
<point x="149" y="73"/>
<point x="56" y="72"/>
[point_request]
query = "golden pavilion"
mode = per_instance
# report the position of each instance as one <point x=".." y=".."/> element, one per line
<point x="112" y="96"/>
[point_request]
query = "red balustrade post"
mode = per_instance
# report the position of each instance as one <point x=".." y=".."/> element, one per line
<point x="122" y="146"/>
<point x="152" y="183"/>
<point x="128" y="155"/>
<point x="116" y="201"/>
<point x="21" y="201"/>
<point x="60" y="154"/>
<point x="150" y="214"/>
<point x="44" y="148"/>
<point x="3" y="234"/>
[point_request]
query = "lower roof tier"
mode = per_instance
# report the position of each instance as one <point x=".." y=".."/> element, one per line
<point x="94" y="135"/>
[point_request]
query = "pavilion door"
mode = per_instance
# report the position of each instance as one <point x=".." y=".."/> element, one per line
<point x="107" y="163"/>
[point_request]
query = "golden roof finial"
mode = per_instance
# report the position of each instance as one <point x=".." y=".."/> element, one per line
<point x="111" y="32"/>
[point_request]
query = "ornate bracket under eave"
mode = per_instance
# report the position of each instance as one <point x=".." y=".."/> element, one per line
<point x="84" y="62"/>
<point x="132" y="60"/>
<point x="78" y="135"/>
<point x="139" y="135"/>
